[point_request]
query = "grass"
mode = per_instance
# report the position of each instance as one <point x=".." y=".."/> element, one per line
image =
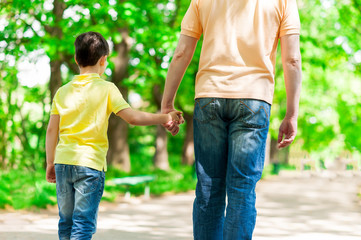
<point x="274" y="169"/>
<point x="25" y="189"/>
<point x="22" y="189"/>
<point x="179" y="178"/>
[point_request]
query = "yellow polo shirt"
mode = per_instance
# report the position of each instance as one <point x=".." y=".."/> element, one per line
<point x="84" y="106"/>
<point x="240" y="41"/>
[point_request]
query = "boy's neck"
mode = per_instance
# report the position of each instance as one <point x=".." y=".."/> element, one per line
<point x="89" y="70"/>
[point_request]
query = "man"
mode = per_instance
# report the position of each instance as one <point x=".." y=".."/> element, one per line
<point x="234" y="90"/>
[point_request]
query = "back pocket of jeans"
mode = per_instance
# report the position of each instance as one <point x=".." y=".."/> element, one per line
<point x="255" y="113"/>
<point x="89" y="180"/>
<point x="204" y="109"/>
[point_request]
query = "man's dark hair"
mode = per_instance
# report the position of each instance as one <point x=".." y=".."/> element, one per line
<point x="89" y="48"/>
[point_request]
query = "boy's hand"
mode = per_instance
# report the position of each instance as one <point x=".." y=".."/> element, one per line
<point x="176" y="117"/>
<point x="50" y="174"/>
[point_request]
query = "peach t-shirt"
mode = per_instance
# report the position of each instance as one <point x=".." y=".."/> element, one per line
<point x="240" y="41"/>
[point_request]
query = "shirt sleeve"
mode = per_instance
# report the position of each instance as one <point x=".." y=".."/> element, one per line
<point x="191" y="25"/>
<point x="290" y="23"/>
<point x="116" y="101"/>
<point x="54" y="108"/>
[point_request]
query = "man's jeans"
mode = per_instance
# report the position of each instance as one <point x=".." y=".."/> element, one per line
<point x="229" y="140"/>
<point x="79" y="190"/>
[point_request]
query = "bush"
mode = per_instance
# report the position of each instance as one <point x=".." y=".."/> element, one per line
<point x="24" y="189"/>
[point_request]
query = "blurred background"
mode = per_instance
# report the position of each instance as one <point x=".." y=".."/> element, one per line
<point x="37" y="57"/>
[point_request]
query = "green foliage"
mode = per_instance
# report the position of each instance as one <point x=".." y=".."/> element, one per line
<point x="178" y="179"/>
<point x="329" y="117"/>
<point x="350" y="120"/>
<point x="328" y="47"/>
<point x="275" y="168"/>
<point x="24" y="189"/>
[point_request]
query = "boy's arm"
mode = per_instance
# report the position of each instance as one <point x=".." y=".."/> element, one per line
<point x="140" y="118"/>
<point x="52" y="135"/>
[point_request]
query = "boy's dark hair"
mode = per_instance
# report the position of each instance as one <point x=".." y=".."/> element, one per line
<point x="89" y="48"/>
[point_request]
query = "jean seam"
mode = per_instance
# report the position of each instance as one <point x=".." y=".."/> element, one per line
<point x="207" y="103"/>
<point x="243" y="103"/>
<point x="261" y="107"/>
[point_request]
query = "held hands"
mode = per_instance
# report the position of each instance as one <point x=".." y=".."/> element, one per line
<point x="288" y="129"/>
<point x="50" y="174"/>
<point x="173" y="125"/>
<point x="176" y="117"/>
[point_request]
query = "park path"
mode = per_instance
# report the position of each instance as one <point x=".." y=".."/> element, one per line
<point x="290" y="207"/>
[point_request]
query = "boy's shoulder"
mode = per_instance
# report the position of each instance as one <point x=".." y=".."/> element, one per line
<point x="99" y="82"/>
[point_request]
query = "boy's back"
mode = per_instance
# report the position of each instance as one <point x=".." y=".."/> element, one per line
<point x="84" y="106"/>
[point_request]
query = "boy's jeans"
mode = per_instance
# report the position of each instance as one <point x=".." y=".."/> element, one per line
<point x="79" y="190"/>
<point x="230" y="138"/>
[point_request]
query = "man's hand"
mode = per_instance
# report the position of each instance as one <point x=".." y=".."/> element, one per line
<point x="50" y="174"/>
<point x="288" y="129"/>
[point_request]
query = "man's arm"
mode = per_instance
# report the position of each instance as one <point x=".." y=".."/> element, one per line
<point x="52" y="135"/>
<point x="181" y="59"/>
<point x="291" y="61"/>
<point x="140" y="118"/>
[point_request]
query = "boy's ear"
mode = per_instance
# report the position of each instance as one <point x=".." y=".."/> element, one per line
<point x="75" y="60"/>
<point x="103" y="60"/>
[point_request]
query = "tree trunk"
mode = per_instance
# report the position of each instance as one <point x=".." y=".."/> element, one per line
<point x="55" y="83"/>
<point x="267" y="157"/>
<point x="188" y="146"/>
<point x="161" y="152"/>
<point x="118" y="153"/>
<point x="274" y="158"/>
<point x="55" y="77"/>
<point x="278" y="156"/>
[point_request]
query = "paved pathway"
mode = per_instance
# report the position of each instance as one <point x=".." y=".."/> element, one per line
<point x="309" y="208"/>
<point x="289" y="208"/>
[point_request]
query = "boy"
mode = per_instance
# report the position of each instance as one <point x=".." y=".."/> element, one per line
<point x="80" y="113"/>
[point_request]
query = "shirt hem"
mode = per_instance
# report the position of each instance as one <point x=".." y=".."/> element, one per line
<point x="191" y="33"/>
<point x="236" y="96"/>
<point x="121" y="108"/>
<point x="93" y="166"/>
<point x="289" y="32"/>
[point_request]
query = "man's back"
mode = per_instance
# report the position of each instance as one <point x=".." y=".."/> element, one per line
<point x="239" y="46"/>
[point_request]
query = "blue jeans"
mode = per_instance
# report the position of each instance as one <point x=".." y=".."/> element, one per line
<point x="79" y="190"/>
<point x="229" y="140"/>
